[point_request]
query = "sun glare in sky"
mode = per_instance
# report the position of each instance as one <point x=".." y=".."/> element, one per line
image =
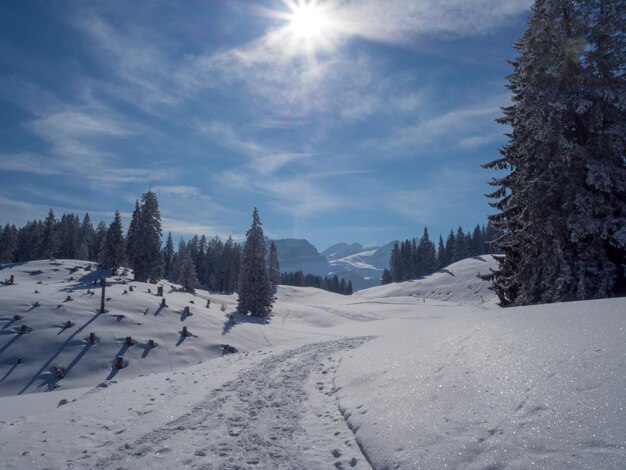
<point x="309" y="27"/>
<point x="308" y="20"/>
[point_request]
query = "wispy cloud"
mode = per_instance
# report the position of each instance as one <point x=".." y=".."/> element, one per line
<point x="446" y="191"/>
<point x="32" y="163"/>
<point x="302" y="195"/>
<point x="466" y="127"/>
<point x="264" y="159"/>
<point x="402" y="21"/>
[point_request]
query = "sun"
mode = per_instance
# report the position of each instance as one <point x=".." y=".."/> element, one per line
<point x="308" y="20"/>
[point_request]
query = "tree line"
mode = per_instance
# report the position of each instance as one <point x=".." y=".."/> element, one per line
<point x="331" y="284"/>
<point x="411" y="259"/>
<point x="213" y="263"/>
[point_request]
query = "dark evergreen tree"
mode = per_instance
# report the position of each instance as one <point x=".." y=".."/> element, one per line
<point x="477" y="242"/>
<point x="255" y="289"/>
<point x="274" y="268"/>
<point x="426" y="256"/>
<point x="562" y="204"/>
<point x="147" y="248"/>
<point x="461" y="249"/>
<point x="168" y="256"/>
<point x="441" y="254"/>
<point x="450" y="248"/>
<point x="188" y="278"/>
<point x="29" y="241"/>
<point x="115" y="246"/>
<point x="386" y="278"/>
<point x="49" y="237"/>
<point x="395" y="264"/>
<point x="133" y="241"/>
<point x="8" y="244"/>
<point x="85" y="250"/>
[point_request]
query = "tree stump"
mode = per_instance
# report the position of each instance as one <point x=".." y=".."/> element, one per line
<point x="208" y="303"/>
<point x="12" y="280"/>
<point x="163" y="304"/>
<point x="129" y="341"/>
<point x="185" y="332"/>
<point x="92" y="338"/>
<point x="23" y="329"/>
<point x="151" y="343"/>
<point x="119" y="363"/>
<point x="19" y="360"/>
<point x="186" y="312"/>
<point x="68" y="324"/>
<point x="131" y="289"/>
<point x="160" y="291"/>
<point x="17" y="317"/>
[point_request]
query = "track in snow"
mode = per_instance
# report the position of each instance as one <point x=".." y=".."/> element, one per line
<point x="270" y="416"/>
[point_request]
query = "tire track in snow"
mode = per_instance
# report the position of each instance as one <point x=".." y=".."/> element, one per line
<point x="252" y="422"/>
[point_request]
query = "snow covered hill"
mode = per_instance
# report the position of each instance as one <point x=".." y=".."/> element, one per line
<point x="424" y="374"/>
<point x="458" y="283"/>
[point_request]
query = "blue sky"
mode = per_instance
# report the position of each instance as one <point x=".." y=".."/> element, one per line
<point x="365" y="124"/>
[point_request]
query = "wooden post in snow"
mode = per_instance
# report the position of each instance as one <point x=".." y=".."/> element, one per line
<point x="103" y="283"/>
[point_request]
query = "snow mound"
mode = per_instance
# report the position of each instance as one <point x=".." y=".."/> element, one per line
<point x="458" y="282"/>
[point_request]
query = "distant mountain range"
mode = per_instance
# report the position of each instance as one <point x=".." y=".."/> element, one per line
<point x="363" y="266"/>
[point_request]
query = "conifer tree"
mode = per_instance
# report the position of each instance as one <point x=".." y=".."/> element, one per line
<point x="115" y="245"/>
<point x="562" y="205"/>
<point x="274" y="268"/>
<point x="188" y="277"/>
<point x="255" y="289"/>
<point x="132" y="237"/>
<point x="146" y="243"/>
<point x="386" y="278"/>
<point x="168" y="256"/>
<point x="8" y="244"/>
<point x="49" y="240"/>
<point x="441" y="254"/>
<point x="84" y="250"/>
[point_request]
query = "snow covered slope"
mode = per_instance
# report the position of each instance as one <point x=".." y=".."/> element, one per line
<point x="458" y="283"/>
<point x="387" y="378"/>
<point x="534" y="387"/>
<point x="48" y="294"/>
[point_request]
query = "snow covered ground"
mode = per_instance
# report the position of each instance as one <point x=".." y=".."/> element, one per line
<point x="424" y="374"/>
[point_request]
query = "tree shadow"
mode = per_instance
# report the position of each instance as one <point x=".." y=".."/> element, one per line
<point x="120" y="353"/>
<point x="78" y="357"/>
<point x="158" y="310"/>
<point x="184" y="315"/>
<point x="58" y="351"/>
<point x="181" y="340"/>
<point x="9" y="322"/>
<point x="447" y="271"/>
<point x="146" y="350"/>
<point x="9" y="343"/>
<point x="9" y="372"/>
<point x="235" y="318"/>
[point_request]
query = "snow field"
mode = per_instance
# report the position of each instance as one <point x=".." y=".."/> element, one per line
<point x="391" y="377"/>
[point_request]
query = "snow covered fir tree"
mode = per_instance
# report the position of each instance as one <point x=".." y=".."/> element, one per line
<point x="114" y="249"/>
<point x="144" y="240"/>
<point x="255" y="289"/>
<point x="562" y="204"/>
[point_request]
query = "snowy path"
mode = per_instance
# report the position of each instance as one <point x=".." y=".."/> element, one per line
<point x="280" y="414"/>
